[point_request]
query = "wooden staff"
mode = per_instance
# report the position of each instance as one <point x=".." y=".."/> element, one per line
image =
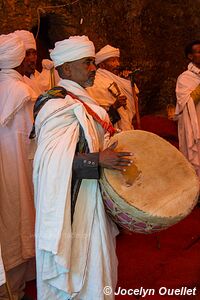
<point x="52" y="78"/>
<point x="135" y="100"/>
<point x="10" y="296"/>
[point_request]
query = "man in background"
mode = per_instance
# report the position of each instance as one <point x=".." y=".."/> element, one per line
<point x="2" y="271"/>
<point x="39" y="82"/>
<point x="188" y="106"/>
<point x="17" y="217"/>
<point x="112" y="92"/>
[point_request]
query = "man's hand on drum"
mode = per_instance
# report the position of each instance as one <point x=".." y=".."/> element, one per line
<point x="111" y="159"/>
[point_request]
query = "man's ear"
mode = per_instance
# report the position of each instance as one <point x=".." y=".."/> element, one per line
<point x="66" y="70"/>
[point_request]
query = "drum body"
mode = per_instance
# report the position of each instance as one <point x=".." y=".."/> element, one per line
<point x="158" y="190"/>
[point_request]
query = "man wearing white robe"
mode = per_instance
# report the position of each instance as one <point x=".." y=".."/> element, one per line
<point x="121" y="109"/>
<point x="188" y="107"/>
<point x="75" y="254"/>
<point x="39" y="82"/>
<point x="17" y="216"/>
<point x="2" y="271"/>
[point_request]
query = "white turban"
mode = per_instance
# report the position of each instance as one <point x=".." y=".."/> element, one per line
<point x="12" y="51"/>
<point x="106" y="52"/>
<point x="74" y="48"/>
<point x="28" y="38"/>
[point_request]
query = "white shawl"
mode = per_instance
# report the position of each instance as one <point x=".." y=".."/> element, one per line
<point x="99" y="91"/>
<point x="19" y="94"/>
<point x="70" y="259"/>
<point x="16" y="189"/>
<point x="41" y="82"/>
<point x="2" y="271"/>
<point x="188" y="115"/>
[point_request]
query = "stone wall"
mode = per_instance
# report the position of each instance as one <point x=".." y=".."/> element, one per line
<point x="150" y="33"/>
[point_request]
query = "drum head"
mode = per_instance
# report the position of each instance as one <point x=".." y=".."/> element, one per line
<point x="161" y="187"/>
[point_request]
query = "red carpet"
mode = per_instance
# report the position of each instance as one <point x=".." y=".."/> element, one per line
<point x="168" y="259"/>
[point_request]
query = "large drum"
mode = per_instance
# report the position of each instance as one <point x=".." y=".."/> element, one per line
<point x="157" y="191"/>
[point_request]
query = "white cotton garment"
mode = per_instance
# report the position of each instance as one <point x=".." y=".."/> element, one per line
<point x="73" y="262"/>
<point x="12" y="51"/>
<point x="188" y="116"/>
<point x="34" y="83"/>
<point x="74" y="48"/>
<point x="105" y="53"/>
<point x="2" y="271"/>
<point x="99" y="91"/>
<point x="17" y="206"/>
<point x="41" y="82"/>
<point x="27" y="37"/>
<point x="14" y="90"/>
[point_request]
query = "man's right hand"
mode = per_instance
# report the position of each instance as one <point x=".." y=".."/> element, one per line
<point x="120" y="101"/>
<point x="111" y="159"/>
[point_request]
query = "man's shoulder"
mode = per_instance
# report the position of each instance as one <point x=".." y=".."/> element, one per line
<point x="105" y="78"/>
<point x="102" y="73"/>
<point x="18" y="86"/>
<point x="186" y="73"/>
<point x="185" y="77"/>
<point x="21" y="89"/>
<point x="53" y="99"/>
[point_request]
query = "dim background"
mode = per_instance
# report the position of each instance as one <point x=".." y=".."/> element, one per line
<point x="151" y="35"/>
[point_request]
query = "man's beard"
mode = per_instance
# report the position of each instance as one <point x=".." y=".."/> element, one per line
<point x="90" y="81"/>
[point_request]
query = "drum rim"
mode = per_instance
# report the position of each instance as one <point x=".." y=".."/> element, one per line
<point x="132" y="210"/>
<point x="136" y="212"/>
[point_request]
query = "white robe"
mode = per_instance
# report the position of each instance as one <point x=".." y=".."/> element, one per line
<point x="16" y="197"/>
<point x="188" y="116"/>
<point x="2" y="271"/>
<point x="99" y="92"/>
<point x="34" y="83"/>
<point x="73" y="262"/>
<point x="41" y="82"/>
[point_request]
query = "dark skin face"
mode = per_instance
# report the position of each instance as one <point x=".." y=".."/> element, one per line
<point x="30" y="62"/>
<point x="110" y="64"/>
<point x="195" y="55"/>
<point x="20" y="69"/>
<point x="81" y="71"/>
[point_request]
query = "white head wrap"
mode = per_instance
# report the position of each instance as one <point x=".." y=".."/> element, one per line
<point x="28" y="38"/>
<point x="74" y="48"/>
<point x="12" y="51"/>
<point x="106" y="52"/>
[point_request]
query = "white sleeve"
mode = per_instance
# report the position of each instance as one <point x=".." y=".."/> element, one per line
<point x="2" y="271"/>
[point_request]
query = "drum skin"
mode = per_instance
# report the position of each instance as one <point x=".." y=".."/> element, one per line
<point x="158" y="190"/>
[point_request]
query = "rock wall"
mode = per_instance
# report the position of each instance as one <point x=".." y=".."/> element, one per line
<point x="151" y="34"/>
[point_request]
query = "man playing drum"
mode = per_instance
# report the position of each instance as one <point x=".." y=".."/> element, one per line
<point x="75" y="240"/>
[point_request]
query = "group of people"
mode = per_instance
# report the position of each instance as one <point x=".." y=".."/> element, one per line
<point x="63" y="221"/>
